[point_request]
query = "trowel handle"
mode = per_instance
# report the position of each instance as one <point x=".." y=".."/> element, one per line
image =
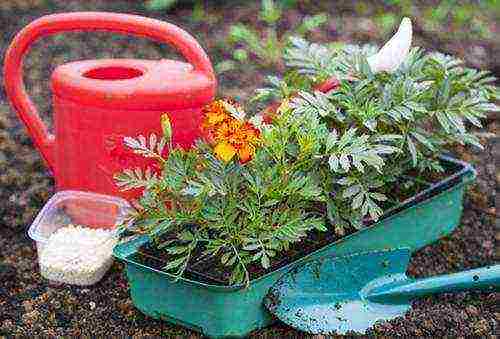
<point x="86" y="21"/>
<point x="485" y="278"/>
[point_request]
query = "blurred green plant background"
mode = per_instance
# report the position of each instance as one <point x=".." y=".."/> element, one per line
<point x="438" y="22"/>
<point x="255" y="32"/>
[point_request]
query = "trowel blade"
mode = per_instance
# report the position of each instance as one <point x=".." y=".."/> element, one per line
<point x="327" y="295"/>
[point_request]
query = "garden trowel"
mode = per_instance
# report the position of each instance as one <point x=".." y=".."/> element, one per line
<point x="351" y="293"/>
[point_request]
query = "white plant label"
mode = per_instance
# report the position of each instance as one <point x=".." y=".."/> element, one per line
<point x="395" y="51"/>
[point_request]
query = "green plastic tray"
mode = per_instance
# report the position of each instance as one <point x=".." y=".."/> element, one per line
<point x="234" y="311"/>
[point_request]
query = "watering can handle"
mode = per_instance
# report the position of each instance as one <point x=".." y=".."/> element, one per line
<point x="84" y="21"/>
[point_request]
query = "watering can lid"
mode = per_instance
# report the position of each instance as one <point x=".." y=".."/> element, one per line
<point x="131" y="84"/>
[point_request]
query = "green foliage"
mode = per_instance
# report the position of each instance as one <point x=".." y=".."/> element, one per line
<point x="310" y="59"/>
<point x="241" y="214"/>
<point x="377" y="124"/>
<point x="157" y="5"/>
<point x="267" y="46"/>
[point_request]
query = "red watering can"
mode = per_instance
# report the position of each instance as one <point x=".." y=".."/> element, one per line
<point x="98" y="102"/>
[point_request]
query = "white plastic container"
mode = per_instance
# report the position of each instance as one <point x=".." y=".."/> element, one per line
<point x="78" y="255"/>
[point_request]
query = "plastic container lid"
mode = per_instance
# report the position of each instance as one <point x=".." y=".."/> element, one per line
<point x="78" y="208"/>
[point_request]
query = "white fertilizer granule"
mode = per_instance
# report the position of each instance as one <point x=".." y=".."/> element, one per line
<point x="77" y="255"/>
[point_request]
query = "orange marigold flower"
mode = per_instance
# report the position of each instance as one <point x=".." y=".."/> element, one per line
<point x="225" y="151"/>
<point x="214" y="118"/>
<point x="232" y="135"/>
<point x="214" y="114"/>
<point x="251" y="131"/>
<point x="246" y="153"/>
<point x="226" y="130"/>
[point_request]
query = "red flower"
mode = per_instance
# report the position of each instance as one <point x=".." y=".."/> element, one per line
<point x="328" y="85"/>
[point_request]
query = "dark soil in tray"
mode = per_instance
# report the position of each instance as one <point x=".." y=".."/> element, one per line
<point x="210" y="270"/>
<point x="404" y="193"/>
<point x="30" y="307"/>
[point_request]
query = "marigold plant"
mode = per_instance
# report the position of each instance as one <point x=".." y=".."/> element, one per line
<point x="236" y="197"/>
<point x="323" y="162"/>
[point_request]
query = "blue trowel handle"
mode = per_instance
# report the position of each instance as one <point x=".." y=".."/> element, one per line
<point x="485" y="278"/>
